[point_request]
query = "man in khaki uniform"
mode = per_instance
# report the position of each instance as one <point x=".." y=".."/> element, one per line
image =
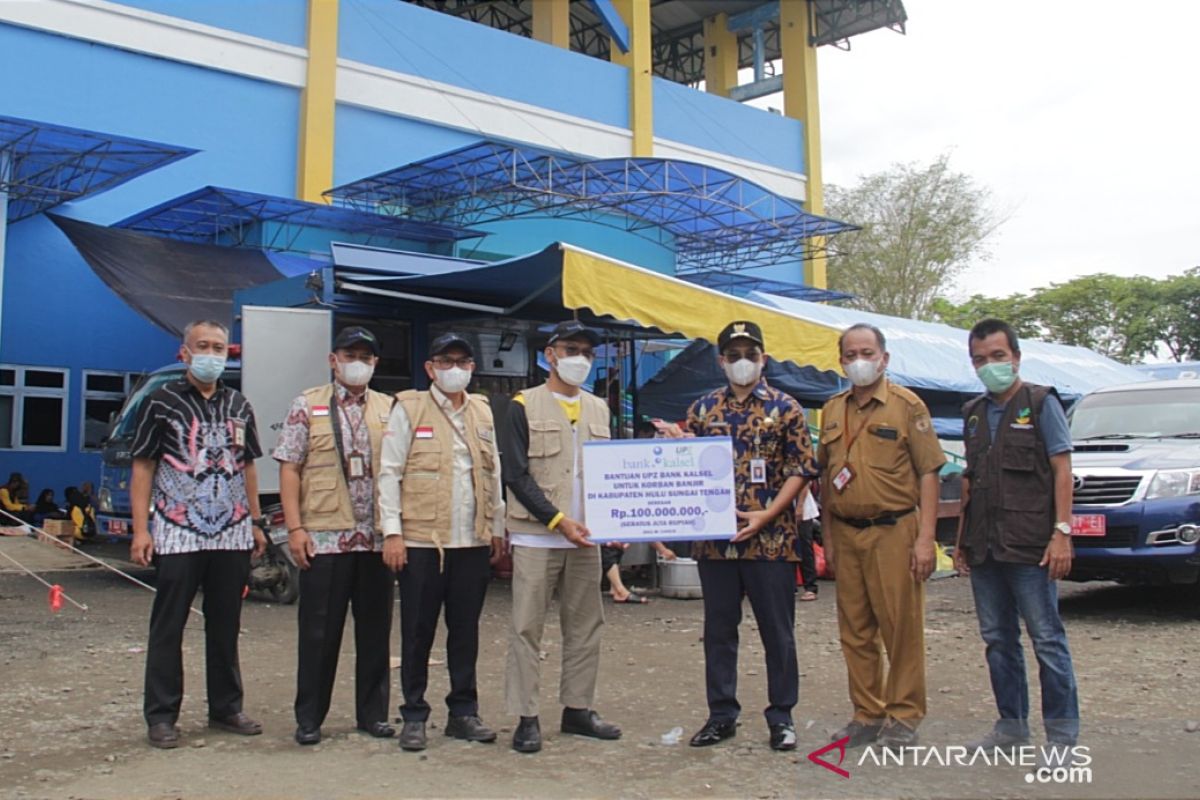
<point x="879" y="469"/>
<point x="552" y="553"/>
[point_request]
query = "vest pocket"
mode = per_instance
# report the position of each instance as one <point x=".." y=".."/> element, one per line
<point x="599" y="431"/>
<point x="545" y="438"/>
<point x="322" y="488"/>
<point x="1022" y="489"/>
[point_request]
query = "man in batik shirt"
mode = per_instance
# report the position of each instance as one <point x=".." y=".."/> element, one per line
<point x="773" y="461"/>
<point x="328" y="454"/>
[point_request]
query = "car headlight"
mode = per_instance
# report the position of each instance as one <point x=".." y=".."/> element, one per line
<point x="1174" y="483"/>
<point x="104" y="500"/>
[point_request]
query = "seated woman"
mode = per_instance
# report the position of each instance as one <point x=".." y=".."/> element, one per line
<point x="46" y="508"/>
<point x="83" y="514"/>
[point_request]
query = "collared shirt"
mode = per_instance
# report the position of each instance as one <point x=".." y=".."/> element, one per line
<point x="887" y="443"/>
<point x="292" y="447"/>
<point x="462" y="487"/>
<point x="768" y="425"/>
<point x="1056" y="431"/>
<point x="202" y="445"/>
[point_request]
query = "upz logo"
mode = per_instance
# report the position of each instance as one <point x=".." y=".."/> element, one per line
<point x="840" y="746"/>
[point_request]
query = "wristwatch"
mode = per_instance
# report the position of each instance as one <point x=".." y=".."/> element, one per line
<point x="262" y="523"/>
<point x="1063" y="527"/>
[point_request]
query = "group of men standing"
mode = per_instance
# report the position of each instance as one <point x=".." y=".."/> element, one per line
<point x="376" y="488"/>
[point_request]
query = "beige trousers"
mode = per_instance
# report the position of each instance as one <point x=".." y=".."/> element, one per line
<point x="538" y="574"/>
<point x="880" y="606"/>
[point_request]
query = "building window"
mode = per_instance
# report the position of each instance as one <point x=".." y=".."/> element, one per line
<point x="103" y="395"/>
<point x="33" y="408"/>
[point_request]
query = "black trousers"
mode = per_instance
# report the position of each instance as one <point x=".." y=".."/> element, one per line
<point x="808" y="559"/>
<point x="222" y="575"/>
<point x="362" y="582"/>
<point x="771" y="587"/>
<point x="424" y="589"/>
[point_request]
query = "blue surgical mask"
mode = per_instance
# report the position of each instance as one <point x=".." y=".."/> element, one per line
<point x="997" y="376"/>
<point x="206" y="368"/>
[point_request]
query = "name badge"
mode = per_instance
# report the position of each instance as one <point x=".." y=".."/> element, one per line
<point x="843" y="478"/>
<point x="423" y="432"/>
<point x="485" y="434"/>
<point x="239" y="432"/>
<point x="320" y="411"/>
<point x="758" y="470"/>
<point x="358" y="466"/>
<point x="885" y="433"/>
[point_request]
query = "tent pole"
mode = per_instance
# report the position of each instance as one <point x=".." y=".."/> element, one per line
<point x="5" y="162"/>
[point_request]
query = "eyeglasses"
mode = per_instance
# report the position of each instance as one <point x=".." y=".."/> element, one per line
<point x="441" y="362"/>
<point x="572" y="350"/>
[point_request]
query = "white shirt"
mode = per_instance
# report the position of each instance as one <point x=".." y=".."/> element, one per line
<point x="555" y="540"/>
<point x="394" y="455"/>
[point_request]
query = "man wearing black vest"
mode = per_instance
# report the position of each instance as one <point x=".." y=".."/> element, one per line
<point x="1015" y="536"/>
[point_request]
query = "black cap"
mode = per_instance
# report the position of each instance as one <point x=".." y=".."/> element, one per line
<point x="448" y="340"/>
<point x="348" y="337"/>
<point x="574" y="329"/>
<point x="739" y="330"/>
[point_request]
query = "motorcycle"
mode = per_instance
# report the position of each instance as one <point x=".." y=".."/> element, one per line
<point x="275" y="572"/>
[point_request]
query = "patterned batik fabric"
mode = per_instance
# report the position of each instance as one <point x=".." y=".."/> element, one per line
<point x="293" y="448"/>
<point x="769" y="425"/>
<point x="202" y="445"/>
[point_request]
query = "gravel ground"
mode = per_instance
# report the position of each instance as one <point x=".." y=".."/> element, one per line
<point x="70" y="701"/>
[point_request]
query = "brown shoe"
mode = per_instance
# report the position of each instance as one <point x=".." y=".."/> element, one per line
<point x="163" y="735"/>
<point x="237" y="723"/>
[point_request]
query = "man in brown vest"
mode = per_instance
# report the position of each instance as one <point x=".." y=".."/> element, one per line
<point x="443" y="517"/>
<point x="879" y="470"/>
<point x="328" y="454"/>
<point x="1015" y="536"/>
<point x="543" y="471"/>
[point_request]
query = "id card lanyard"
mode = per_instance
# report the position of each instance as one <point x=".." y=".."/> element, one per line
<point x="356" y="465"/>
<point x="846" y="474"/>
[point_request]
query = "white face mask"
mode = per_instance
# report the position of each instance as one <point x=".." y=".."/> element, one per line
<point x="453" y="380"/>
<point x="743" y="372"/>
<point x="862" y="372"/>
<point x="573" y="369"/>
<point x="355" y="373"/>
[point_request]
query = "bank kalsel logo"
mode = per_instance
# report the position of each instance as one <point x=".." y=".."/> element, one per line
<point x="840" y="746"/>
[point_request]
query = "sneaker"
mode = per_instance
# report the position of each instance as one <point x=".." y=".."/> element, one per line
<point x="998" y="740"/>
<point x="896" y="735"/>
<point x="783" y="736"/>
<point x="859" y="733"/>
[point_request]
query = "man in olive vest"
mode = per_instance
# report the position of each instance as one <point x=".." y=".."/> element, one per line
<point x="552" y="553"/>
<point x="1015" y="536"/>
<point x="328" y="454"/>
<point x="443" y="518"/>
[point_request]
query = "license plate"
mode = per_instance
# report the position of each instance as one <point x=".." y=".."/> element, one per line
<point x="1088" y="525"/>
<point x="117" y="526"/>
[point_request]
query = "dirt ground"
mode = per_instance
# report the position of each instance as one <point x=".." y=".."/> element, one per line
<point x="70" y="705"/>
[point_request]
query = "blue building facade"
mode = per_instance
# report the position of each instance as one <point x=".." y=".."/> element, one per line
<point x="226" y="78"/>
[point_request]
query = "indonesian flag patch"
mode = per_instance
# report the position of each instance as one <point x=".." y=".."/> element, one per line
<point x="320" y="411"/>
<point x="423" y="432"/>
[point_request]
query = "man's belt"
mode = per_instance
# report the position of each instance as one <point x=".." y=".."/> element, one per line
<point x="890" y="518"/>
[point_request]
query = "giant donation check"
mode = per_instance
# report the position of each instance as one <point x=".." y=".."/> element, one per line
<point x="659" y="489"/>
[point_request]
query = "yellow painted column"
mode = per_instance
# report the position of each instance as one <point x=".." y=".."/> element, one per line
<point x="720" y="55"/>
<point x="636" y="14"/>
<point x="318" y="99"/>
<point x="800" y="101"/>
<point x="552" y="22"/>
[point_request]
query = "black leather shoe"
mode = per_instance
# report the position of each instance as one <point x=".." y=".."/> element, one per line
<point x="470" y="728"/>
<point x="585" y="722"/>
<point x="412" y="736"/>
<point x="308" y="735"/>
<point x="527" y="738"/>
<point x="714" y="731"/>
<point x="783" y="736"/>
<point x="163" y="735"/>
<point x="237" y="723"/>
<point x="380" y="730"/>
<point x="858" y="732"/>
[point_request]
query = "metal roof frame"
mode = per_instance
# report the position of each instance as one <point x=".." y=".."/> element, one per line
<point x="678" y="27"/>
<point x="714" y="220"/>
<point x="47" y="165"/>
<point x="215" y="215"/>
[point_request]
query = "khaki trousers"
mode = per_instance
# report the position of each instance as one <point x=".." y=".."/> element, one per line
<point x="881" y="606"/>
<point x="539" y="573"/>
